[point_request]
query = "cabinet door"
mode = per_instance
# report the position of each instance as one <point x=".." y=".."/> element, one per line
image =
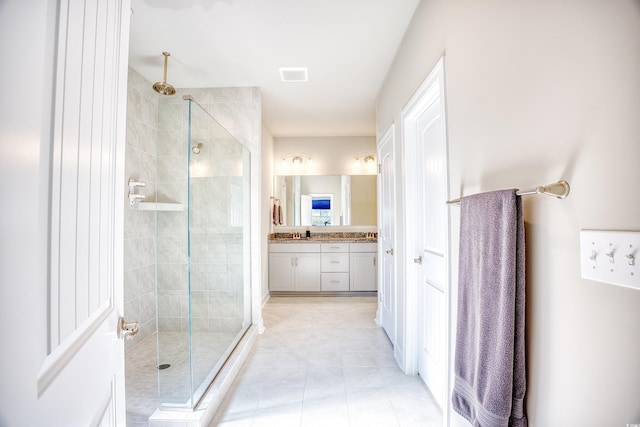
<point x="363" y="272"/>
<point x="307" y="272"/>
<point x="281" y="267"/>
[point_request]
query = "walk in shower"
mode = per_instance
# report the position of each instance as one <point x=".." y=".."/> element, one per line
<point x="200" y="204"/>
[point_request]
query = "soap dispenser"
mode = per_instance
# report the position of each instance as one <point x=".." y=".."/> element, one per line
<point x="308" y="233"/>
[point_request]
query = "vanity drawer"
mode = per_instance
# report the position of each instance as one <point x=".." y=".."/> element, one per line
<point x="294" y="247"/>
<point x="334" y="263"/>
<point x="364" y="247"/>
<point x="335" y="247"/>
<point x="335" y="282"/>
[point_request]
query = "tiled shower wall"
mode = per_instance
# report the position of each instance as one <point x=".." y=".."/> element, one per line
<point x="217" y="273"/>
<point x="216" y="239"/>
<point x="156" y="144"/>
<point x="140" y="226"/>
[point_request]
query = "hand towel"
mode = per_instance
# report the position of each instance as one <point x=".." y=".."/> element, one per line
<point x="490" y="366"/>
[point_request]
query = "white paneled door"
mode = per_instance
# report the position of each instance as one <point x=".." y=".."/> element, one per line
<point x="387" y="310"/>
<point x="425" y="133"/>
<point x="81" y="381"/>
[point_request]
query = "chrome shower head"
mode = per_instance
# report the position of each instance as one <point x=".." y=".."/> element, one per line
<point x="164" y="88"/>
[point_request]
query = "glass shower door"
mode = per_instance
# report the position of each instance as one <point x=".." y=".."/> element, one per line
<point x="213" y="271"/>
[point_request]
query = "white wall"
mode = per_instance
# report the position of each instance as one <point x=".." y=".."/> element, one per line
<point x="537" y="92"/>
<point x="333" y="155"/>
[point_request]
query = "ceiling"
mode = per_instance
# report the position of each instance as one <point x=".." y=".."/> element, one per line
<point x="347" y="45"/>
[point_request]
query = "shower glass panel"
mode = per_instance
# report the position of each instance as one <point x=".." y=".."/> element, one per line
<point x="203" y="271"/>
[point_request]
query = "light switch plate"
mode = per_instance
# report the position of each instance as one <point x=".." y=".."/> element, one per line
<point x="611" y="257"/>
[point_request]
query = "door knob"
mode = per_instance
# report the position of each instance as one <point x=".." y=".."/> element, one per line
<point x="127" y="330"/>
<point x="389" y="251"/>
<point x="418" y="260"/>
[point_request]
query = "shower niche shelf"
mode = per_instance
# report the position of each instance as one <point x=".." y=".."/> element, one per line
<point x="160" y="206"/>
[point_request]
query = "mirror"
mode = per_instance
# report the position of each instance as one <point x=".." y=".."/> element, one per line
<point x="314" y="200"/>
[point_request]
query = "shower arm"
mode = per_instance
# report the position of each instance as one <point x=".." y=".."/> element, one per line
<point x="166" y="59"/>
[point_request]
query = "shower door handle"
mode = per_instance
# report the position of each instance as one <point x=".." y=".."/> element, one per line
<point x="127" y="330"/>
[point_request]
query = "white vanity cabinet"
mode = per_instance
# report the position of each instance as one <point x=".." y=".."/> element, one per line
<point x="363" y="259"/>
<point x="322" y="267"/>
<point x="294" y="267"/>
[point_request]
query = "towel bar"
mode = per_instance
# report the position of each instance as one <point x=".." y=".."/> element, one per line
<point x="558" y="189"/>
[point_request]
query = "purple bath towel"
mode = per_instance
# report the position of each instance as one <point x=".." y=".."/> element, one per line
<point x="490" y="367"/>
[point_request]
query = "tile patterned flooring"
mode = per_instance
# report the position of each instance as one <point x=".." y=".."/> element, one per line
<point x="323" y="362"/>
<point x="144" y="382"/>
<point x="141" y="382"/>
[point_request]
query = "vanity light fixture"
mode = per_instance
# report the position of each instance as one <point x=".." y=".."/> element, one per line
<point x="297" y="160"/>
<point x="368" y="159"/>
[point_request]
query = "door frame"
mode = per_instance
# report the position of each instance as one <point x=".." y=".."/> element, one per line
<point x="431" y="88"/>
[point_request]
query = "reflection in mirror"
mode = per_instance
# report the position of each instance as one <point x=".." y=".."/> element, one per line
<point x="326" y="200"/>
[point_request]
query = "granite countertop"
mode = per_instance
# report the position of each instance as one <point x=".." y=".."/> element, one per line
<point x="324" y="237"/>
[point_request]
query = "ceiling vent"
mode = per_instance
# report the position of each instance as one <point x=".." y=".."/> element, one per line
<point x="294" y="74"/>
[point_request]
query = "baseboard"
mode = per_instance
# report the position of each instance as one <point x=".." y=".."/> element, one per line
<point x="324" y="294"/>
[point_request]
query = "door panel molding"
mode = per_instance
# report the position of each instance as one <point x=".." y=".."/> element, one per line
<point x="55" y="362"/>
<point x="84" y="167"/>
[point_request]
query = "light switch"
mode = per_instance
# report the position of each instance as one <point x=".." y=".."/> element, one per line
<point x="610" y="257"/>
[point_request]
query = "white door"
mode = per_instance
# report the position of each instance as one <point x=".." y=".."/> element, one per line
<point x="433" y="234"/>
<point x="305" y="210"/>
<point x="69" y="319"/>
<point x="386" y="234"/>
<point x="425" y="126"/>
